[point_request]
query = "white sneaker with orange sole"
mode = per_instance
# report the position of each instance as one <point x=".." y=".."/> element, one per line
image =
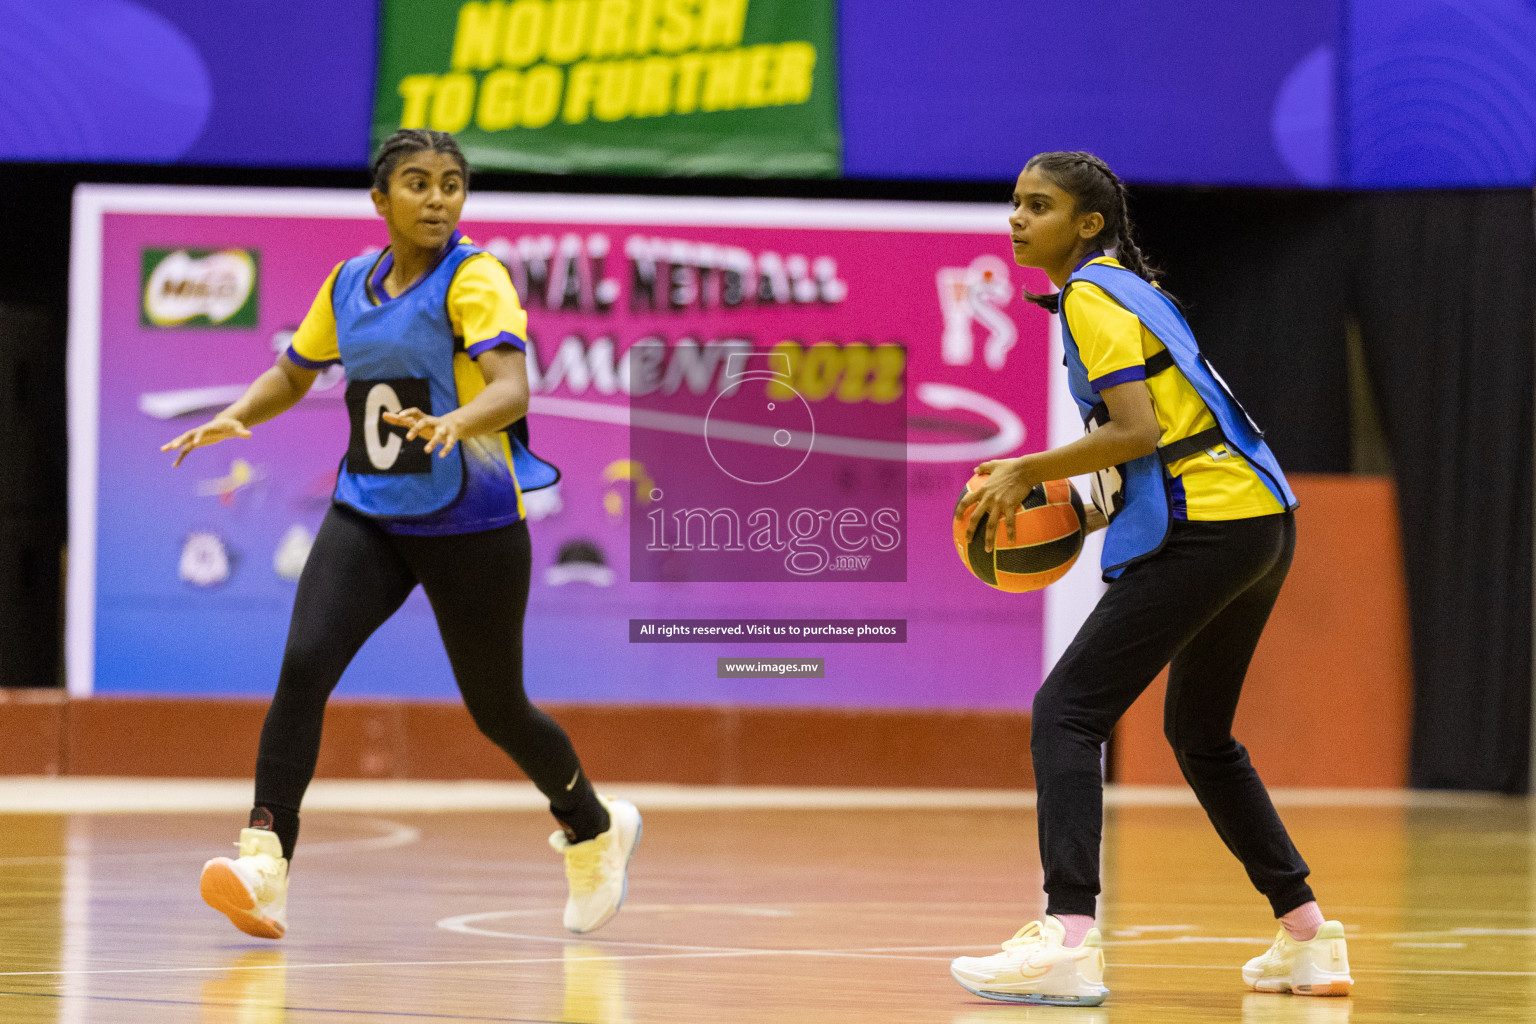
<point x="1319" y="967"/>
<point x="252" y="889"/>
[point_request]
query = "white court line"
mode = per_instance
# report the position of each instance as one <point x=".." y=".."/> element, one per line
<point x="464" y="925"/>
<point x="1520" y="932"/>
<point x="467" y="924"/>
<point x="395" y="835"/>
<point x="87" y="795"/>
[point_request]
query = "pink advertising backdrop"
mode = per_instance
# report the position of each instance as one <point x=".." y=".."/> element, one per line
<point x="191" y="584"/>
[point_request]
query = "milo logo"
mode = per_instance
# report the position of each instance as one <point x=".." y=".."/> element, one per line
<point x="199" y="287"/>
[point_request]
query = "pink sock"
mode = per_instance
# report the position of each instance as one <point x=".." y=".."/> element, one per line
<point x="1302" y="923"/>
<point x="1077" y="926"/>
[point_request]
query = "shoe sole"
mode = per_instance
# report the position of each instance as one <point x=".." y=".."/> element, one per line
<point x="1305" y="980"/>
<point x="225" y="891"/>
<point x="1281" y="986"/>
<point x="1032" y="998"/>
<point x="624" y="891"/>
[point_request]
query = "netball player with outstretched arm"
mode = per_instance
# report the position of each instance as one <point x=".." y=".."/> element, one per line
<point x="431" y="337"/>
<point x="1200" y="537"/>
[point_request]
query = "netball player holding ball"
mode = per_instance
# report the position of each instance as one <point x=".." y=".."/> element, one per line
<point x="431" y="336"/>
<point x="1200" y="537"/>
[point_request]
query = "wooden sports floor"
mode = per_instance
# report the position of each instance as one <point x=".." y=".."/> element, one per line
<point x="846" y="911"/>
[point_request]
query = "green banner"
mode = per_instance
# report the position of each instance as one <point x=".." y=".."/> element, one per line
<point x="673" y="87"/>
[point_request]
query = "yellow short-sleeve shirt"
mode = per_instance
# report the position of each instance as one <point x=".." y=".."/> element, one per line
<point x="482" y="305"/>
<point x="1115" y="345"/>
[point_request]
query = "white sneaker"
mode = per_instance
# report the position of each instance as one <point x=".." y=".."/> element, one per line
<point x="596" y="868"/>
<point x="1319" y="967"/>
<point x="252" y="890"/>
<point x="1034" y="967"/>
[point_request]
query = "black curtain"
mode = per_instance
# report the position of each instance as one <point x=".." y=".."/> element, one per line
<point x="32" y="486"/>
<point x="1263" y="279"/>
<point x="1443" y="286"/>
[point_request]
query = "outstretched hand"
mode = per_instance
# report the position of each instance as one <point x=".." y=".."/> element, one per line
<point x="1005" y="488"/>
<point x="220" y="428"/>
<point x="444" y="430"/>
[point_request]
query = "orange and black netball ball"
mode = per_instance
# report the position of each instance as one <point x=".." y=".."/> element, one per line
<point x="1047" y="537"/>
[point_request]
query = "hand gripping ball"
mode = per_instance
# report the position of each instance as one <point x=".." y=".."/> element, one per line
<point x="1048" y="534"/>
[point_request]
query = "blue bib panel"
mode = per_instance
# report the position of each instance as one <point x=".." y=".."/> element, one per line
<point x="533" y="473"/>
<point x="397" y="355"/>
<point x="1140" y="526"/>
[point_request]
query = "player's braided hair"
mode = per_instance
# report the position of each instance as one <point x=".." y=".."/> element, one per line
<point x="414" y="140"/>
<point x="1094" y="188"/>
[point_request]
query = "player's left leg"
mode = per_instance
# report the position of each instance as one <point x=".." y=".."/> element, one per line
<point x="1205" y="680"/>
<point x="478" y="584"/>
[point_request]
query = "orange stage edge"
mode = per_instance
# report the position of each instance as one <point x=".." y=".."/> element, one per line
<point x="1329" y="695"/>
<point x="216" y="738"/>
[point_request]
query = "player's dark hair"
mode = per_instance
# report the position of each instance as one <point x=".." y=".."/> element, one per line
<point x="1094" y="188"/>
<point x="414" y="140"/>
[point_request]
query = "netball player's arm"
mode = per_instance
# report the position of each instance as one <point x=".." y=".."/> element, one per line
<point x="1109" y="341"/>
<point x="1132" y="431"/>
<point x="280" y="387"/>
<point x="502" y="402"/>
<point x="1110" y="344"/>
<point x="486" y="314"/>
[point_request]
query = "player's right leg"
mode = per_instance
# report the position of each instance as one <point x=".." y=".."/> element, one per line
<point x="352" y="582"/>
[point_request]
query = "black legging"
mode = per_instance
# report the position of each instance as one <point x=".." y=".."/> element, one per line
<point x="1201" y="603"/>
<point x="356" y="577"/>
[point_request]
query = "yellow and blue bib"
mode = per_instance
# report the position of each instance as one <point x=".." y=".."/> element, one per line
<point x="418" y="349"/>
<point x="1212" y="462"/>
